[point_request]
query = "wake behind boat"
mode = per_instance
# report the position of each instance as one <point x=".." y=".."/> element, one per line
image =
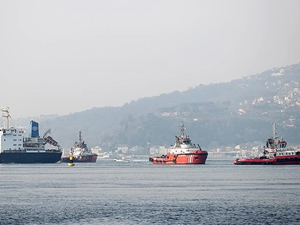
<point x="275" y="153"/>
<point x="16" y="148"/>
<point x="183" y="152"/>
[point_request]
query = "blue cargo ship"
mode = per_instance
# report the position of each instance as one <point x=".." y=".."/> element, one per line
<point x="16" y="148"/>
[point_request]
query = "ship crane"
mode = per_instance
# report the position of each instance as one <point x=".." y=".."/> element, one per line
<point x="47" y="132"/>
<point x="49" y="139"/>
<point x="5" y="114"/>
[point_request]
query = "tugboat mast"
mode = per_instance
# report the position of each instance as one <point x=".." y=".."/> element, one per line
<point x="5" y="114"/>
<point x="274" y="131"/>
<point x="80" y="137"/>
<point x="182" y="128"/>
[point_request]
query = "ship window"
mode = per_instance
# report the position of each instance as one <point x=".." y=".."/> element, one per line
<point x="14" y="139"/>
<point x="14" y="135"/>
<point x="20" y="139"/>
<point x="19" y="144"/>
<point x="14" y="144"/>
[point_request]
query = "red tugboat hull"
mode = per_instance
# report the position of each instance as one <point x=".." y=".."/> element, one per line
<point x="86" y="159"/>
<point x="279" y="160"/>
<point x="198" y="157"/>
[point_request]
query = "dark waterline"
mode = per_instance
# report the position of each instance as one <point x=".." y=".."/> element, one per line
<point x="109" y="192"/>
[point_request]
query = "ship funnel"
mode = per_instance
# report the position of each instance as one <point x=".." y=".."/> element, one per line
<point x="34" y="129"/>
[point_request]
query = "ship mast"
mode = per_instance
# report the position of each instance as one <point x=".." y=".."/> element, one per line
<point x="5" y="114"/>
<point x="182" y="128"/>
<point x="80" y="137"/>
<point x="274" y="131"/>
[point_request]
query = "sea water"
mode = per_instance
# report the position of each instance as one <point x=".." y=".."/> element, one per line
<point x="138" y="192"/>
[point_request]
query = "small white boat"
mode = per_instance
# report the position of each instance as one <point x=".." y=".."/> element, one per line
<point x="121" y="160"/>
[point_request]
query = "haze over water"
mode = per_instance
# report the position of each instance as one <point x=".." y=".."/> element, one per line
<point x="138" y="192"/>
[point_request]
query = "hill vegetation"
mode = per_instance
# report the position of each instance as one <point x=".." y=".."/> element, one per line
<point x="223" y="114"/>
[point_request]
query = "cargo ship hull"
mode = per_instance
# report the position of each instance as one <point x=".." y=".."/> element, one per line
<point x="28" y="157"/>
<point x="85" y="159"/>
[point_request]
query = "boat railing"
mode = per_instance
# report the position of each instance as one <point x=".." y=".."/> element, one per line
<point x="53" y="150"/>
<point x="14" y="151"/>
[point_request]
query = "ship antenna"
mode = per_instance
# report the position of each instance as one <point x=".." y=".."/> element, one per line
<point x="80" y="137"/>
<point x="5" y="114"/>
<point x="274" y="131"/>
<point x="182" y="128"/>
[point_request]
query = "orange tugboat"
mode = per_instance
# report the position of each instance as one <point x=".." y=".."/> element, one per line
<point x="275" y="153"/>
<point x="183" y="152"/>
<point x="80" y="153"/>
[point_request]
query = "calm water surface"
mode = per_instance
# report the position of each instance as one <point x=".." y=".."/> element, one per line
<point x="137" y="192"/>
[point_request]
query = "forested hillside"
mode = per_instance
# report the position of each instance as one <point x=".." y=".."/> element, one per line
<point x="230" y="113"/>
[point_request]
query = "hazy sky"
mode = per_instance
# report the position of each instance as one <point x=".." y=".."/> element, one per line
<point x="65" y="56"/>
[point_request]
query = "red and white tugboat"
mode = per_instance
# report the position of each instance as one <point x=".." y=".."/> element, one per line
<point x="183" y="152"/>
<point x="80" y="153"/>
<point x="275" y="153"/>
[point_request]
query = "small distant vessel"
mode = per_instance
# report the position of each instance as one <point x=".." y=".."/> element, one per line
<point x="80" y="153"/>
<point x="16" y="148"/>
<point x="275" y="153"/>
<point x="183" y="152"/>
<point x="121" y="160"/>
